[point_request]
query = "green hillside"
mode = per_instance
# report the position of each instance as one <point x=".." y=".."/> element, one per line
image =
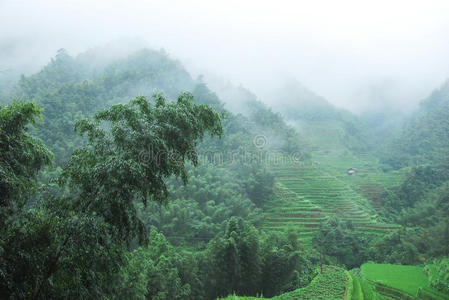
<point x="424" y="139"/>
<point x="151" y="178"/>
<point x="308" y="193"/>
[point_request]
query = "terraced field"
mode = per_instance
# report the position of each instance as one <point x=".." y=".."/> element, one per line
<point x="369" y="181"/>
<point x="308" y="194"/>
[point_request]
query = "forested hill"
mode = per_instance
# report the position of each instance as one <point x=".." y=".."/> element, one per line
<point x="324" y="124"/>
<point x="73" y="88"/>
<point x="298" y="102"/>
<point x="70" y="89"/>
<point x="210" y="219"/>
<point x="232" y="179"/>
<point x="424" y="139"/>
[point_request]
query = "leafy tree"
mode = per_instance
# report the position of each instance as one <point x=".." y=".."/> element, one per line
<point x="420" y="204"/>
<point x="339" y="241"/>
<point x="153" y="272"/>
<point x="439" y="274"/>
<point x="247" y="262"/>
<point x="396" y="248"/>
<point x="204" y="95"/>
<point x="258" y="183"/>
<point x="72" y="244"/>
<point x="21" y="157"/>
<point x="286" y="266"/>
<point x="235" y="261"/>
<point x="198" y="211"/>
<point x="146" y="143"/>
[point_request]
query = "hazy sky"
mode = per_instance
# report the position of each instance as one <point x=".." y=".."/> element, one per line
<point x="358" y="54"/>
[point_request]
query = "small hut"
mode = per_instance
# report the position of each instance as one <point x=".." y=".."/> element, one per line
<point x="351" y="171"/>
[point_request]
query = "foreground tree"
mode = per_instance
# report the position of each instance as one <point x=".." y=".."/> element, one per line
<point x="127" y="162"/>
<point x="235" y="258"/>
<point x="244" y="261"/>
<point x="21" y="157"/>
<point x="72" y="242"/>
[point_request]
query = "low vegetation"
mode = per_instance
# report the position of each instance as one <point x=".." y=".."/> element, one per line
<point x="332" y="283"/>
<point x="408" y="279"/>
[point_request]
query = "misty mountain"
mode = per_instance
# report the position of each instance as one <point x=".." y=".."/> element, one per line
<point x="73" y="88"/>
<point x="226" y="189"/>
<point x="223" y="150"/>
<point x="316" y="119"/>
<point x="424" y="138"/>
<point x="297" y="102"/>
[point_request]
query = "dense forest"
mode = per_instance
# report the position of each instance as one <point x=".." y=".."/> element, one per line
<point x="126" y="178"/>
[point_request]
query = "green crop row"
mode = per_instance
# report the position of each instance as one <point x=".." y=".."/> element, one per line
<point x="331" y="284"/>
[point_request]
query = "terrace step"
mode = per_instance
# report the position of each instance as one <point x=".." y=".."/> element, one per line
<point x="308" y="195"/>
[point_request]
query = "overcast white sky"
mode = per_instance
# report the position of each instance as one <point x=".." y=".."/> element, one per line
<point x="355" y="53"/>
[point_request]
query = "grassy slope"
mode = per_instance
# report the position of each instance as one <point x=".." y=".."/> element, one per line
<point x="357" y="292"/>
<point x="331" y="284"/>
<point x="404" y="278"/>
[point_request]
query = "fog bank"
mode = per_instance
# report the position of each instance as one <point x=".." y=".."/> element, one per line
<point x="359" y="55"/>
